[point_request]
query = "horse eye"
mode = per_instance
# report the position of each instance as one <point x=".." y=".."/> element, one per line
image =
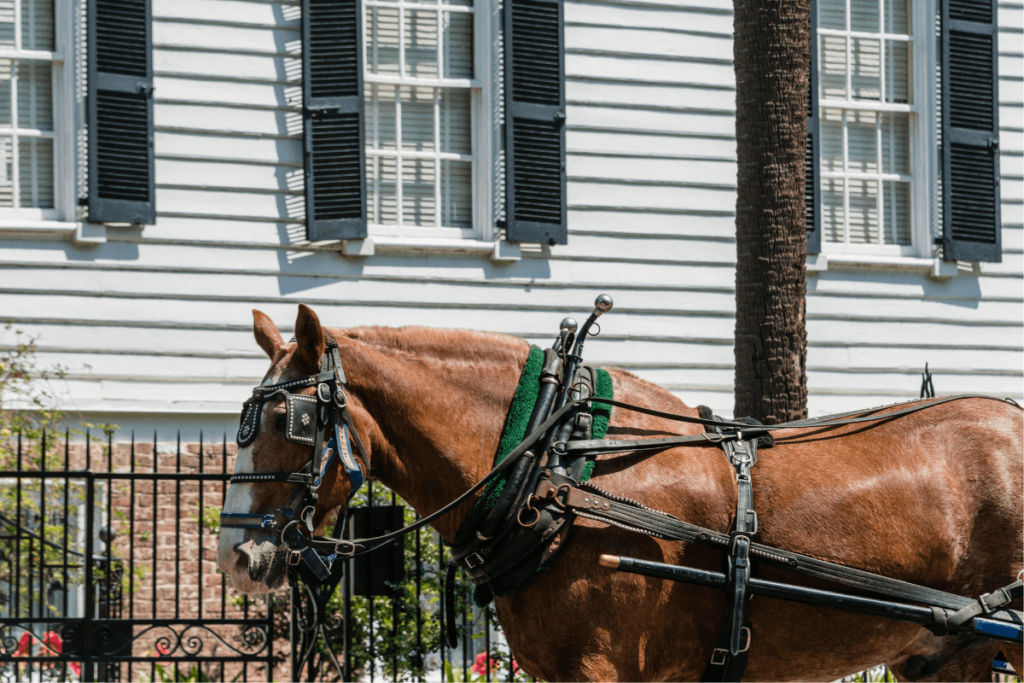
<point x="279" y="421"/>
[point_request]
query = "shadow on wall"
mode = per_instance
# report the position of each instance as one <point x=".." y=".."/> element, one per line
<point x="964" y="290"/>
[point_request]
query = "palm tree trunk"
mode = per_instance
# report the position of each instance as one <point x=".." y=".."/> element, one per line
<point x="772" y="60"/>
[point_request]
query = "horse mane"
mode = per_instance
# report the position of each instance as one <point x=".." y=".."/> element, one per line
<point x="442" y="345"/>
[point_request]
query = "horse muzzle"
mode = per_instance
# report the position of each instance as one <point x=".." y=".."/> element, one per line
<point x="254" y="566"/>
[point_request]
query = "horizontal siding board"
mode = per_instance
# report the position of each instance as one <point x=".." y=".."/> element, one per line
<point x="259" y="95"/>
<point x="620" y="67"/>
<point x="613" y="195"/>
<point x="210" y="38"/>
<point x="653" y="42"/>
<point x="265" y="150"/>
<point x="638" y="221"/>
<point x="606" y="140"/>
<point x="261" y="177"/>
<point x="637" y="16"/>
<point x="220" y="203"/>
<point x="226" y="67"/>
<point x="720" y="174"/>
<point x="645" y="120"/>
<point x="691" y="98"/>
<point x="228" y="119"/>
<point x="229" y="11"/>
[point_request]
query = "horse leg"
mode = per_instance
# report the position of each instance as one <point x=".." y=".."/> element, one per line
<point x="953" y="658"/>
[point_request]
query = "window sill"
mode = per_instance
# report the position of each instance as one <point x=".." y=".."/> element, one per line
<point x="498" y="251"/>
<point x="935" y="267"/>
<point x="79" y="233"/>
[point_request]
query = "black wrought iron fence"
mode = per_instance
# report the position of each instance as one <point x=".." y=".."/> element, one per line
<point x="108" y="572"/>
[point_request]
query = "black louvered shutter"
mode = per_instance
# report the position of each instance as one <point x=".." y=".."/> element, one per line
<point x="970" y="132"/>
<point x="332" y="95"/>
<point x="120" y="112"/>
<point x="812" y="164"/>
<point x="535" y="122"/>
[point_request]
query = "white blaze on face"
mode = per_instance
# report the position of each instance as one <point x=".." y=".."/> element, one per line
<point x="238" y="500"/>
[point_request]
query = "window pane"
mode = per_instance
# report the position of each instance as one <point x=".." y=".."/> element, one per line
<point x="382" y="40"/>
<point x="833" y="67"/>
<point x="456" y="194"/>
<point x="421" y="43"/>
<point x="35" y="157"/>
<point x="6" y="171"/>
<point x="418" y="202"/>
<point x="897" y="19"/>
<point x="897" y="212"/>
<point x="832" y="209"/>
<point x="37" y="25"/>
<point x="832" y="14"/>
<point x="864" y="16"/>
<point x="5" y="91"/>
<point x="456" y="130"/>
<point x="896" y="143"/>
<point x="865" y="60"/>
<point x="897" y="71"/>
<point x="380" y="116"/>
<point x="832" y="140"/>
<point x="458" y="45"/>
<point x="381" y="190"/>
<point x="418" y="119"/>
<point x="7" y="23"/>
<point x="35" y="97"/>
<point x="863" y="211"/>
<point x="862" y="137"/>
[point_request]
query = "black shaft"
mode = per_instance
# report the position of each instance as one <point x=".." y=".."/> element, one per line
<point x="772" y="589"/>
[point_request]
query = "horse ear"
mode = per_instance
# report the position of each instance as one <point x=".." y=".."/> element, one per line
<point x="266" y="333"/>
<point x="310" y="338"/>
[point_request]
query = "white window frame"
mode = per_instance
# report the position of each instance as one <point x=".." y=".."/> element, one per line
<point x="483" y="136"/>
<point x="923" y="117"/>
<point x="61" y="218"/>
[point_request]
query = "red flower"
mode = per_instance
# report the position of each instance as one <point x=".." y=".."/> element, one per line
<point x="52" y="641"/>
<point x="515" y="665"/>
<point x="480" y="666"/>
<point x="163" y="649"/>
<point x="24" y="645"/>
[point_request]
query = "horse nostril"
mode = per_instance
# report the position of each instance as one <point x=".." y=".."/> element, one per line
<point x="256" y="567"/>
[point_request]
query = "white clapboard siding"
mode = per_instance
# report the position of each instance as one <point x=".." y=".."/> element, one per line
<point x="155" y="325"/>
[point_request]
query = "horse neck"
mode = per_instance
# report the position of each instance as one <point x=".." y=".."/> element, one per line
<point x="437" y="420"/>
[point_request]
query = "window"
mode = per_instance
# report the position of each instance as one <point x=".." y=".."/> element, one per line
<point x="872" y="175"/>
<point x="29" y="76"/>
<point x="423" y="120"/>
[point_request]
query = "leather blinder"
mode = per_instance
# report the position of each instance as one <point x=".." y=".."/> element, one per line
<point x="300" y="419"/>
<point x="249" y="424"/>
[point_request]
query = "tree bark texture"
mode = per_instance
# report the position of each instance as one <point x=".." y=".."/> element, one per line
<point x="772" y="61"/>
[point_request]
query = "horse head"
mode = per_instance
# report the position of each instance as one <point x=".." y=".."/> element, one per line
<point x="253" y="554"/>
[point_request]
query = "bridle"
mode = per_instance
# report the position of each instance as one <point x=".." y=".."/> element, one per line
<point x="309" y="421"/>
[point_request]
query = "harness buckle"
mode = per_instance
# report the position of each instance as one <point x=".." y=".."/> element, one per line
<point x="323" y="393"/>
<point x="294" y="558"/>
<point x="473" y="560"/>
<point x="749" y="638"/>
<point x="718" y="656"/>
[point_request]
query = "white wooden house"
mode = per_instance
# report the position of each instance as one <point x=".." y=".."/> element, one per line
<point x="137" y="265"/>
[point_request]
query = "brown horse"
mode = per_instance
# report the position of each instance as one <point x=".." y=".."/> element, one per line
<point x="932" y="498"/>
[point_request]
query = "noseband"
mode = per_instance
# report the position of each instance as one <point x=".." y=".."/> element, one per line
<point x="309" y="421"/>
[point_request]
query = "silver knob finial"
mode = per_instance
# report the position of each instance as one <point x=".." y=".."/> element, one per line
<point x="568" y="324"/>
<point x="603" y="304"/>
